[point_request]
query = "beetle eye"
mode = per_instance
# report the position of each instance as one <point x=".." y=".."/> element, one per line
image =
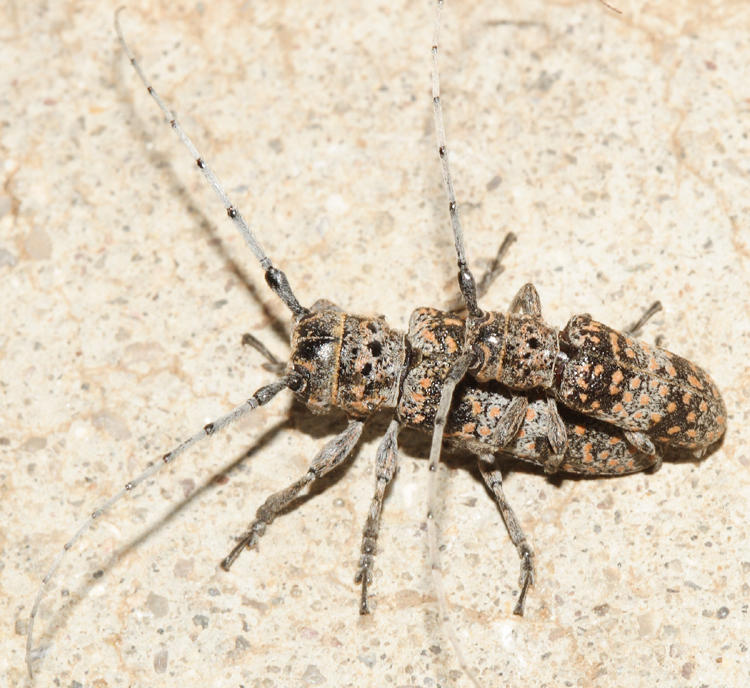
<point x="297" y="381"/>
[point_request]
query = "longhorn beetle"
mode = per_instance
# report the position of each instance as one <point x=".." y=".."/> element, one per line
<point x="360" y="365"/>
<point x="658" y="398"/>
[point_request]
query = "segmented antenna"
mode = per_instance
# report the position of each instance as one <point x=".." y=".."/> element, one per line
<point x="275" y="278"/>
<point x="465" y="278"/>
<point x="262" y="396"/>
<point x="459" y="368"/>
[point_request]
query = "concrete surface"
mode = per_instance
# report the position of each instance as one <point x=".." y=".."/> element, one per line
<point x="615" y="145"/>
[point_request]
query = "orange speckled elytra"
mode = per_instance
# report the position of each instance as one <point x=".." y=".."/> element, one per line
<point x="658" y="398"/>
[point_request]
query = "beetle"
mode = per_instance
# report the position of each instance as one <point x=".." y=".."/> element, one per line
<point x="361" y="366"/>
<point x="659" y="399"/>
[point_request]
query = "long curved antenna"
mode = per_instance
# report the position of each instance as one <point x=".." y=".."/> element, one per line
<point x="262" y="396"/>
<point x="465" y="278"/>
<point x="275" y="278"/>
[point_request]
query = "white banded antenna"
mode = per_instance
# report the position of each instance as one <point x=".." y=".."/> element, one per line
<point x="275" y="278"/>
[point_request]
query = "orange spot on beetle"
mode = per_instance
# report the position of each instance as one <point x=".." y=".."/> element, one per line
<point x="428" y="335"/>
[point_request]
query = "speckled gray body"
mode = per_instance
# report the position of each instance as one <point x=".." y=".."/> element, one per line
<point x="658" y="398"/>
<point x="594" y="448"/>
<point x="360" y="366"/>
<point x="638" y="387"/>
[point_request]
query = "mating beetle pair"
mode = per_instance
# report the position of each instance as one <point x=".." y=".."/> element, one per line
<point x="482" y="379"/>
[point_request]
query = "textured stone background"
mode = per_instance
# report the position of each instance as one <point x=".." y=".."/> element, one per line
<point x="615" y="146"/>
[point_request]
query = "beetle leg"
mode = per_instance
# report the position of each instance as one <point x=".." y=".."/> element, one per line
<point x="641" y="441"/>
<point x="557" y="437"/>
<point x="494" y="481"/>
<point x="334" y="453"/>
<point x="634" y="330"/>
<point x="510" y="421"/>
<point x="527" y="301"/>
<point x="385" y="468"/>
<point x="495" y="268"/>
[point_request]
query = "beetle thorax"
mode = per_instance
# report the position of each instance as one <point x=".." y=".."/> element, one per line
<point x="518" y="351"/>
<point x="348" y="362"/>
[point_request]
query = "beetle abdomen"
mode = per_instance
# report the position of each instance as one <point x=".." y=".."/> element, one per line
<point x="638" y="387"/>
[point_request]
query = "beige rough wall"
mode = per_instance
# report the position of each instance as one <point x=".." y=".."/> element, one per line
<point x="616" y="146"/>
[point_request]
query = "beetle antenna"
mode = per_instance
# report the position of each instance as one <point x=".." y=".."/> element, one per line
<point x="261" y="397"/>
<point x="466" y="280"/>
<point x="275" y="278"/>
